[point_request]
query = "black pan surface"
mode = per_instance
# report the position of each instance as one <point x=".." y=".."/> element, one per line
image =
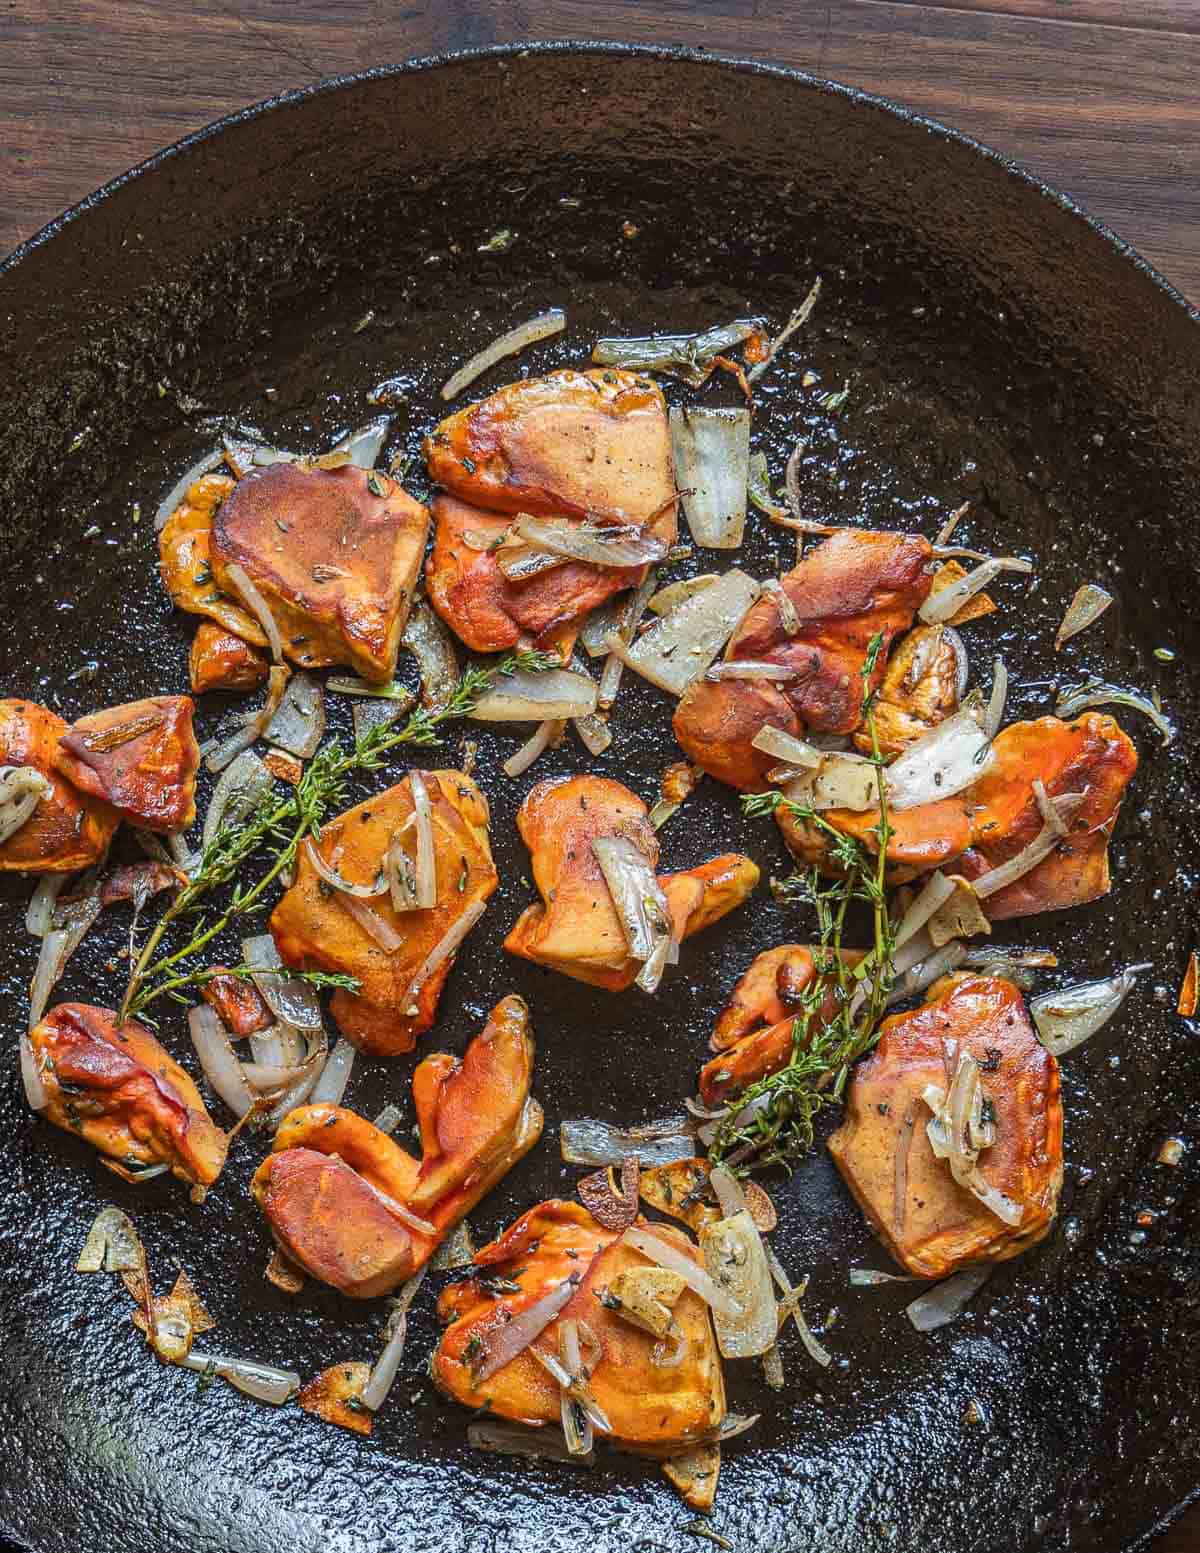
<point x="997" y="346"/>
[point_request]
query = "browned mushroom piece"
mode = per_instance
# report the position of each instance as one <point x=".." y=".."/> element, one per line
<point x="68" y="829"/>
<point x="316" y="927"/>
<point x="141" y="757"/>
<point x="118" y="1089"/>
<point x="577" y="929"/>
<point x="993" y="820"/>
<point x="585" y="446"/>
<point x="335" y="554"/>
<point x="347" y="1204"/>
<point x="930" y="1223"/>
<point x="219" y="660"/>
<point x="856" y="585"/>
<point x="654" y="1409"/>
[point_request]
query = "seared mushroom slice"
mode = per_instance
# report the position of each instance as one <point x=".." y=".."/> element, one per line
<point x="141" y="757"/>
<point x="68" y="829"/>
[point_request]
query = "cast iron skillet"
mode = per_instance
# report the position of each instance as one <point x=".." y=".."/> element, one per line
<point x="997" y="345"/>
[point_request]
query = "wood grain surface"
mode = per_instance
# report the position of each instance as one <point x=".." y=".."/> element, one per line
<point x="1100" y="97"/>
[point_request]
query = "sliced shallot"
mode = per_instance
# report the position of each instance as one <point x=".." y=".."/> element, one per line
<point x="334" y="1076"/>
<point x="258" y="607"/>
<point x="587" y="1141"/>
<point x="1066" y="1019"/>
<point x="665" y="1254"/>
<point x="510" y="343"/>
<point x="943" y="606"/>
<point x="680" y="647"/>
<point x="711" y="450"/>
<point x="263" y="1382"/>
<point x="219" y="1060"/>
<point x="947" y="1300"/>
<point x="504" y="1343"/>
<point x="1085" y="608"/>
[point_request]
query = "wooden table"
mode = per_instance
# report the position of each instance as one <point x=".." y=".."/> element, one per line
<point x="1101" y="97"/>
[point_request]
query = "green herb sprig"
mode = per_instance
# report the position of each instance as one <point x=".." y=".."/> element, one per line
<point x="283" y="825"/>
<point x="825" y="1045"/>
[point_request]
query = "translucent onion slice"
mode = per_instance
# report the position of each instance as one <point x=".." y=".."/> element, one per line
<point x="597" y="544"/>
<point x="940" y="764"/>
<point x="396" y="1208"/>
<point x="292" y="1000"/>
<point x="534" y="1444"/>
<point x="640" y="902"/>
<point x="947" y="1300"/>
<point x="351" y="685"/>
<point x="219" y="1060"/>
<point x="239" y="790"/>
<point x="31" y="1077"/>
<point x="1056" y="813"/>
<point x="628" y="618"/>
<point x="600" y="623"/>
<point x="1066" y="1019"/>
<point x="377" y="928"/>
<point x="204" y="465"/>
<point x="844" y="781"/>
<point x="335" y="1075"/>
<point x="299" y="724"/>
<point x="1095" y="692"/>
<point x="326" y="871"/>
<point x="524" y="697"/>
<point x="868" y="1278"/>
<point x="365" y="445"/>
<point x="426" y="637"/>
<point x="70" y="924"/>
<point x="543" y="736"/>
<point x="217" y="759"/>
<point x="960" y="915"/>
<point x="686" y="356"/>
<point x="503" y="1344"/>
<point x="663" y="1254"/>
<point x="923" y="972"/>
<point x="711" y="449"/>
<point x="389" y="1119"/>
<point x="425" y="891"/>
<point x="737" y="1263"/>
<point x="1085" y="608"/>
<point x="442" y="950"/>
<point x="510" y="343"/>
<point x="790" y="1306"/>
<point x="670" y="597"/>
<point x="40" y="911"/>
<point x="751" y="668"/>
<point x="594" y="733"/>
<point x="679" y="648"/>
<point x="317" y="1049"/>
<point x="22" y="788"/>
<point x="258" y="607"/>
<point x="935" y="892"/>
<point x="521" y="561"/>
<point x="993" y="714"/>
<point x="943" y="606"/>
<point x="268" y="1080"/>
<point x="263" y="1382"/>
<point x="587" y="1141"/>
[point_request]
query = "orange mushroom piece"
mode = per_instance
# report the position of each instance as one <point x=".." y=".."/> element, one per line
<point x="998" y="816"/>
<point x="655" y="1410"/>
<point x="854" y="586"/>
<point x="335" y="554"/>
<point x="141" y="757"/>
<point x="577" y="929"/>
<point x="587" y="446"/>
<point x="185" y="560"/>
<point x="929" y="1223"/>
<point x="314" y="928"/>
<point x="69" y="829"/>
<point x="920" y="689"/>
<point x="239" y="1004"/>
<point x="219" y="660"/>
<point x="755" y="1034"/>
<point x="117" y="1088"/>
<point x="347" y="1204"/>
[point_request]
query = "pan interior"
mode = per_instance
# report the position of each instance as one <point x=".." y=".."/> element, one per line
<point x="994" y="348"/>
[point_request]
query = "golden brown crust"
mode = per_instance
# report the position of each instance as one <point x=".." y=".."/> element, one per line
<point x="141" y="757"/>
<point x="335" y="553"/>
<point x="313" y="931"/>
<point x="219" y="660"/>
<point x="238" y="1002"/>
<point x="570" y="444"/>
<point x="576" y="929"/>
<point x="918" y="691"/>
<point x="854" y="586"/>
<point x="941" y="1226"/>
<point x="119" y="1090"/>
<point x="185" y="560"/>
<point x="69" y="829"/>
<point x="652" y="1409"/>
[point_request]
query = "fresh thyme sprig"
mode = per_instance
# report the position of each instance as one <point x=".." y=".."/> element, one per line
<point x="171" y="987"/>
<point x="284" y="824"/>
<point x="825" y="1045"/>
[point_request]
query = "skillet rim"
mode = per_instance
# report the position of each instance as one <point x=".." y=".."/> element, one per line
<point x="26" y="250"/>
<point x="29" y="249"/>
